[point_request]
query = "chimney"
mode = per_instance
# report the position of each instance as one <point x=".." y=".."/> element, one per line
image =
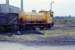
<point x="21" y="5"/>
<point x="7" y="2"/>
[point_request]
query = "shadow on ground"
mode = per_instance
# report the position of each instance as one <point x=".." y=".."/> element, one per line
<point x="22" y="32"/>
<point x="29" y="32"/>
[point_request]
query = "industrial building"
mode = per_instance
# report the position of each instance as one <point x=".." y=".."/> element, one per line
<point x="7" y="8"/>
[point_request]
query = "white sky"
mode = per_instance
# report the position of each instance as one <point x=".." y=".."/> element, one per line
<point x="60" y="7"/>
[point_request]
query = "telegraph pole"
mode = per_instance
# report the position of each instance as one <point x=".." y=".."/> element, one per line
<point x="51" y="5"/>
<point x="21" y="5"/>
<point x="7" y="2"/>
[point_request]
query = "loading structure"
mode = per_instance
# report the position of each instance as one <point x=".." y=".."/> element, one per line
<point x="15" y="19"/>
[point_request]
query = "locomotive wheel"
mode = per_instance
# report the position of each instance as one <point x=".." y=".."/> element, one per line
<point x="45" y="28"/>
<point x="42" y="28"/>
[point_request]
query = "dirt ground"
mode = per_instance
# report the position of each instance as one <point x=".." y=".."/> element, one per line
<point x="49" y="36"/>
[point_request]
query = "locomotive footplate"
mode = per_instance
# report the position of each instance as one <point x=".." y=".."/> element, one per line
<point x="34" y="26"/>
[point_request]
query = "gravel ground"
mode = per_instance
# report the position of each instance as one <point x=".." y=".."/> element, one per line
<point x="58" y="35"/>
<point x="16" y="46"/>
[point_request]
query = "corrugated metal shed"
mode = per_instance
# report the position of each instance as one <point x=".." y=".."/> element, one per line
<point x="4" y="8"/>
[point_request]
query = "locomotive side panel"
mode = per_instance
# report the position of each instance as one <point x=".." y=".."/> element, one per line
<point x="42" y="19"/>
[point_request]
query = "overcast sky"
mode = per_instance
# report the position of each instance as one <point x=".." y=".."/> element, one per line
<point x="60" y="7"/>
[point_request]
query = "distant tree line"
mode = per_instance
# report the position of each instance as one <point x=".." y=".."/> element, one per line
<point x="64" y="20"/>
